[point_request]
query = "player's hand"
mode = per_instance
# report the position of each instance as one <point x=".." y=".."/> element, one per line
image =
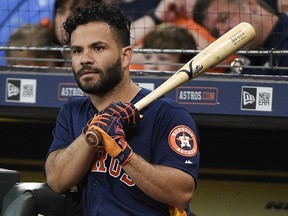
<point x="128" y="114"/>
<point x="106" y="122"/>
<point x="113" y="136"/>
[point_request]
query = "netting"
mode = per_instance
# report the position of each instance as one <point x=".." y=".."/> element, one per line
<point x="205" y="23"/>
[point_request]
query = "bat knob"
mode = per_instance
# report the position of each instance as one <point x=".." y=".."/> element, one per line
<point x="93" y="138"/>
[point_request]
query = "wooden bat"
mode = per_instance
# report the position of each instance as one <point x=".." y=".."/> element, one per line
<point x="213" y="54"/>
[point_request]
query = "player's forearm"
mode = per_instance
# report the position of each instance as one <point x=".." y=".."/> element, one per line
<point x="165" y="184"/>
<point x="66" y="167"/>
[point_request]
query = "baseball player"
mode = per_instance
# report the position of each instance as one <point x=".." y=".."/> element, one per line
<point x="145" y="164"/>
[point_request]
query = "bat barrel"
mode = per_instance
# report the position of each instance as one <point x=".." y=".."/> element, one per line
<point x="226" y="45"/>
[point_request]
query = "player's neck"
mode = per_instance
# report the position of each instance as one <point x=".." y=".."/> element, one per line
<point x="124" y="93"/>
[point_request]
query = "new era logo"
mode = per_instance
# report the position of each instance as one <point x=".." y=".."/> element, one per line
<point x="256" y="98"/>
<point x="21" y="90"/>
<point x="13" y="90"/>
<point x="248" y="98"/>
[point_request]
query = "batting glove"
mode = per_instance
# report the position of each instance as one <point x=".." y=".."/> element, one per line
<point x="128" y="114"/>
<point x="113" y="136"/>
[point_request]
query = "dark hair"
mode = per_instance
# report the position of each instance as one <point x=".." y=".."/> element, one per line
<point x="270" y="5"/>
<point x="31" y="35"/>
<point x="171" y="36"/>
<point x="60" y="4"/>
<point x="200" y="10"/>
<point x="59" y="7"/>
<point x="100" y="12"/>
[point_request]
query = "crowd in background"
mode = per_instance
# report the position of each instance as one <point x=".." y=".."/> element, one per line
<point x="156" y="24"/>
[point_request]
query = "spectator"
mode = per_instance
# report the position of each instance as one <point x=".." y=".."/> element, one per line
<point x="178" y="12"/>
<point x="278" y="6"/>
<point x="14" y="14"/>
<point x="62" y="9"/>
<point x="271" y="5"/>
<point x="32" y="35"/>
<point x="135" y="9"/>
<point x="283" y="6"/>
<point x="218" y="16"/>
<point x="168" y="36"/>
<point x="174" y="9"/>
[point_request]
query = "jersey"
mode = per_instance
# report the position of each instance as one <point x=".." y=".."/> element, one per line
<point x="136" y="9"/>
<point x="167" y="135"/>
<point x="278" y="40"/>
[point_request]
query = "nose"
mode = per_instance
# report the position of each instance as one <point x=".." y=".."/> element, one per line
<point x="223" y="28"/>
<point x="87" y="58"/>
<point x="152" y="63"/>
<point x="152" y="66"/>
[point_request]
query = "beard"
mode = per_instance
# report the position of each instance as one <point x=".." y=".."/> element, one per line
<point x="108" y="78"/>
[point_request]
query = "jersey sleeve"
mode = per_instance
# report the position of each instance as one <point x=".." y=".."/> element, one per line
<point x="63" y="132"/>
<point x="177" y="141"/>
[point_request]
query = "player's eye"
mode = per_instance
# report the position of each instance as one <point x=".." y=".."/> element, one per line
<point x="98" y="48"/>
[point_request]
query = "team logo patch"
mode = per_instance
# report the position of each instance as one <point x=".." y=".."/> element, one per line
<point x="183" y="141"/>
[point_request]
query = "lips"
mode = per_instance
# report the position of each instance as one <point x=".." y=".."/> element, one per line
<point x="88" y="72"/>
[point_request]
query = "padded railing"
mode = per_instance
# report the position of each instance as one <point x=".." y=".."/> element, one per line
<point x="34" y="198"/>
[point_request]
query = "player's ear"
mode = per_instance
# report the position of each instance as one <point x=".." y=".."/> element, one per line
<point x="127" y="53"/>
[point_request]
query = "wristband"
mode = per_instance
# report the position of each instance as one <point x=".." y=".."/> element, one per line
<point x="155" y="19"/>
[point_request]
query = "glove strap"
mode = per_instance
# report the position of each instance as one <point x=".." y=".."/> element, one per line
<point x="125" y="155"/>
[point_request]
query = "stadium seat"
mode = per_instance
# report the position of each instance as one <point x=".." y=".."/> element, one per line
<point x="34" y="198"/>
<point x="8" y="178"/>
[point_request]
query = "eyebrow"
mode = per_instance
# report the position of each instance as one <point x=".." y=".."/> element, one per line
<point x="97" y="43"/>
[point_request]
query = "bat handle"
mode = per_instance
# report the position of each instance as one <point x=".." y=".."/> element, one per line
<point x="93" y="138"/>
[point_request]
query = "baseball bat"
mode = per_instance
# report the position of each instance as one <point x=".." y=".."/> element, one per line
<point x="213" y="54"/>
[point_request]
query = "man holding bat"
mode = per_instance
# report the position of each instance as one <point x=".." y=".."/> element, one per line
<point x="144" y="164"/>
